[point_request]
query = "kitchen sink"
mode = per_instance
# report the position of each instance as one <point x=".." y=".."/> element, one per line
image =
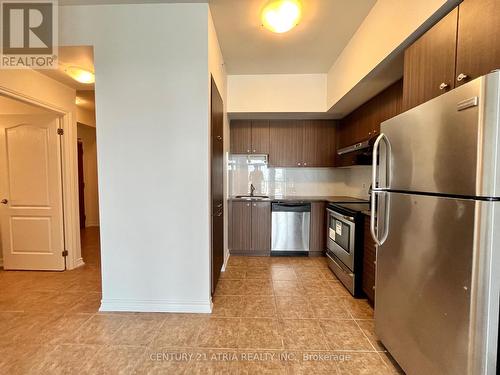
<point x="252" y="196"/>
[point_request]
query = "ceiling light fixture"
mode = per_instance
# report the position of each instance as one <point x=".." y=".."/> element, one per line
<point x="281" y="16"/>
<point x="80" y="75"/>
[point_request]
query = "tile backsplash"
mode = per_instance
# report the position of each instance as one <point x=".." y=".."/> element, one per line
<point x="245" y="170"/>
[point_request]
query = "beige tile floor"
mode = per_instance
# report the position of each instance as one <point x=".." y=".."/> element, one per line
<point x="270" y="316"/>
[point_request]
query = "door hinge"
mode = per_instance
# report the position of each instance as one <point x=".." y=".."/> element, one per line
<point x="60" y="131"/>
<point x="65" y="253"/>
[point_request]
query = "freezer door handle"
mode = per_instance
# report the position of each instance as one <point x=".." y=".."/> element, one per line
<point x="376" y="184"/>
<point x="376" y="218"/>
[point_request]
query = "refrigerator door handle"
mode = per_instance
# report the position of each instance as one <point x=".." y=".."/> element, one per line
<point x="374" y="217"/>
<point x="375" y="175"/>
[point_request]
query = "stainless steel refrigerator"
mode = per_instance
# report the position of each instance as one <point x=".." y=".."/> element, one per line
<point x="436" y="178"/>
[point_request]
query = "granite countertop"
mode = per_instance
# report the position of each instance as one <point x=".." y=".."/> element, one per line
<point x="295" y="198"/>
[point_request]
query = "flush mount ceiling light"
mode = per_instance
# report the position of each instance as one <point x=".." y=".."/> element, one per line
<point x="80" y="75"/>
<point x="280" y="16"/>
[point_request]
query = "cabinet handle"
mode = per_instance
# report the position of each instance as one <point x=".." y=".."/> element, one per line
<point x="248" y="151"/>
<point x="254" y="151"/>
<point x="255" y="204"/>
<point x="219" y="138"/>
<point x="461" y="77"/>
<point x="305" y="164"/>
<point x="248" y="204"/>
<point x="373" y="287"/>
<point x="443" y="86"/>
<point x="298" y="164"/>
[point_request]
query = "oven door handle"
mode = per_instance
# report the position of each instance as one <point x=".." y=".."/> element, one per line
<point x="336" y="214"/>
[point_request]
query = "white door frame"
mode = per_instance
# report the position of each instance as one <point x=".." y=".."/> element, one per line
<point x="69" y="170"/>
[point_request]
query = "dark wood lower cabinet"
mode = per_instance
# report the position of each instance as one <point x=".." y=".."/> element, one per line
<point x="369" y="262"/>
<point x="250" y="228"/>
<point x="317" y="241"/>
<point x="241" y="226"/>
<point x="261" y="226"/>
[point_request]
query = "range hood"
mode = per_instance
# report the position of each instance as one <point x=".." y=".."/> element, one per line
<point x="357" y="154"/>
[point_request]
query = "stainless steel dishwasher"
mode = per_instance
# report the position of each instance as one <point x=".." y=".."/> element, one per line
<point x="290" y="228"/>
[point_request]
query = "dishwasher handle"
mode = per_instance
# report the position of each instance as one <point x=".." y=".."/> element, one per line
<point x="291" y="207"/>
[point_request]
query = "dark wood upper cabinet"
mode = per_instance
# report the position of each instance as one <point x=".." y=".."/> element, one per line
<point x="286" y="141"/>
<point x="261" y="226"/>
<point x="364" y="122"/>
<point x="429" y="63"/>
<point x="478" y="49"/>
<point x="249" y="137"/>
<point x="260" y="137"/>
<point x="319" y="144"/>
<point x="241" y="137"/>
<point x="241" y="226"/>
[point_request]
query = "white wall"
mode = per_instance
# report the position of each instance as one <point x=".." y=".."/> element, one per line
<point x="151" y="65"/>
<point x="217" y="69"/>
<point x="85" y="116"/>
<point x="91" y="196"/>
<point x="277" y="93"/>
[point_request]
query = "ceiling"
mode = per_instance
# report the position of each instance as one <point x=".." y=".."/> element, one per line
<point x="96" y="2"/>
<point x="311" y="47"/>
<point x="82" y="57"/>
<point x="248" y="48"/>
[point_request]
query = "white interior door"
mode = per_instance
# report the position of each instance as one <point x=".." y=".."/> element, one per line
<point x="31" y="193"/>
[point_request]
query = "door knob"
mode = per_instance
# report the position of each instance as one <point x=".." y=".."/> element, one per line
<point x="4" y="201"/>
<point x="443" y="86"/>
<point x="219" y="138"/>
<point x="461" y="77"/>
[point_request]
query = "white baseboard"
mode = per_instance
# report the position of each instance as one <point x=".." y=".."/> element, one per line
<point x="200" y="307"/>
<point x="226" y="259"/>
<point x="78" y="263"/>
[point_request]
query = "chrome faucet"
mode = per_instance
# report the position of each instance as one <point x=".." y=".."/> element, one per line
<point x="252" y="190"/>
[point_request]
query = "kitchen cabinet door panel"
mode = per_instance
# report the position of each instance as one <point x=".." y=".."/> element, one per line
<point x="478" y="50"/>
<point x="260" y="137"/>
<point x="317" y="242"/>
<point x="286" y="139"/>
<point x="261" y="226"/>
<point x="241" y="226"/>
<point x="369" y="262"/>
<point x="241" y="137"/>
<point x="319" y="143"/>
<point x="430" y="62"/>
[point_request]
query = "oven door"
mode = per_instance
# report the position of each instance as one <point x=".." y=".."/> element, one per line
<point x="340" y="237"/>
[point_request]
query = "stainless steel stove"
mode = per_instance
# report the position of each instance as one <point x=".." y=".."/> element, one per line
<point x="345" y="242"/>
